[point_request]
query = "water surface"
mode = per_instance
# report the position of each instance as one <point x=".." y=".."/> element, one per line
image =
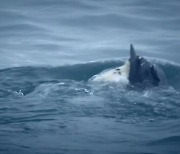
<point x="49" y="50"/>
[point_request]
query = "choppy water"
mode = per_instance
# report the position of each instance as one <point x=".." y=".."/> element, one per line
<point x="47" y="104"/>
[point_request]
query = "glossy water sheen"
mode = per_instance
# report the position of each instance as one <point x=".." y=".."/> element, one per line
<point x="48" y="107"/>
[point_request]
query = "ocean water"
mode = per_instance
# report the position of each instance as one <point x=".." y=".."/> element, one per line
<point x="50" y="49"/>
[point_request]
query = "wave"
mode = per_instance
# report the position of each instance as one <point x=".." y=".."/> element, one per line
<point x="67" y="87"/>
<point x="166" y="141"/>
<point x="79" y="72"/>
<point x="24" y="80"/>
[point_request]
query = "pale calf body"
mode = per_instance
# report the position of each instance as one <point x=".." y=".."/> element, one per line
<point x="119" y="74"/>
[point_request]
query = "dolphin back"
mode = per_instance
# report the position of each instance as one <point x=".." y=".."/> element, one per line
<point x="161" y="75"/>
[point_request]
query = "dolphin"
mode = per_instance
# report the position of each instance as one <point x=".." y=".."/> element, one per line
<point x="136" y="71"/>
<point x="116" y="75"/>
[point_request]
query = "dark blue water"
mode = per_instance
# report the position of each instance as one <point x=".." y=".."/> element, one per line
<point x="47" y="105"/>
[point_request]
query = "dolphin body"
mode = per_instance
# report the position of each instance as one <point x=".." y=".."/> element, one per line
<point x="136" y="72"/>
<point x="144" y="73"/>
<point x="118" y="75"/>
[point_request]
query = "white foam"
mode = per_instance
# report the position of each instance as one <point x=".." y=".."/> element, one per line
<point x="162" y="61"/>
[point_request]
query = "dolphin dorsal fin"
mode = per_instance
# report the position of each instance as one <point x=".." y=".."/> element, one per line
<point x="132" y="51"/>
